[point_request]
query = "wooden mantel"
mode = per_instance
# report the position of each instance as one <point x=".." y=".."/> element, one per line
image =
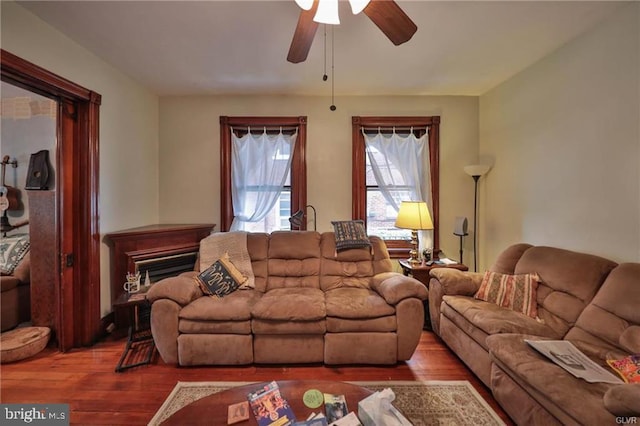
<point x="148" y="241"/>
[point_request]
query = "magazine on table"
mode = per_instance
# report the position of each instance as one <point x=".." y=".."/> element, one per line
<point x="567" y="356"/>
<point x="335" y="407"/>
<point x="269" y="407"/>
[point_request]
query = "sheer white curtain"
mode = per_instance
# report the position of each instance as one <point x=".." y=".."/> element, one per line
<point x="400" y="165"/>
<point x="260" y="166"/>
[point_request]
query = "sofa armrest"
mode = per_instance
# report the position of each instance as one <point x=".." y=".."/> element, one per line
<point x="449" y="281"/>
<point x="394" y="287"/>
<point x="182" y="289"/>
<point x="455" y="282"/>
<point x="623" y="400"/>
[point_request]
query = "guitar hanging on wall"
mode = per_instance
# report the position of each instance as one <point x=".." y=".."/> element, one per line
<point x="9" y="198"/>
<point x="8" y="194"/>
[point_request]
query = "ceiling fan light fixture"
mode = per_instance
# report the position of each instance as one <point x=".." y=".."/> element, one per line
<point x="327" y="12"/>
<point x="305" y="4"/>
<point x="358" y="6"/>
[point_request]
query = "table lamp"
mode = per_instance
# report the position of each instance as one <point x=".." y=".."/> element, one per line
<point x="414" y="215"/>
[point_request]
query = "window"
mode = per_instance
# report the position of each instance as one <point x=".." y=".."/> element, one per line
<point x="369" y="202"/>
<point x="294" y="194"/>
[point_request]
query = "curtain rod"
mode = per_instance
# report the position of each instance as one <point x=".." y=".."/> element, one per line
<point x="374" y="128"/>
<point x="258" y="128"/>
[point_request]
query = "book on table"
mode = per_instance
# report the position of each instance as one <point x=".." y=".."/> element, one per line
<point x="269" y="407"/>
<point x="335" y="407"/>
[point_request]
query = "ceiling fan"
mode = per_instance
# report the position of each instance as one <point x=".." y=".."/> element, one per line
<point x="386" y="14"/>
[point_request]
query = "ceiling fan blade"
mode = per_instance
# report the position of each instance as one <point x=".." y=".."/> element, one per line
<point x="303" y="36"/>
<point x="392" y="20"/>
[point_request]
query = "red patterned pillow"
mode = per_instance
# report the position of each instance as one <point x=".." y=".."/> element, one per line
<point x="515" y="292"/>
<point x="628" y="368"/>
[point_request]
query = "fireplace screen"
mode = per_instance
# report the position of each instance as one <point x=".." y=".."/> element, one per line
<point x="165" y="266"/>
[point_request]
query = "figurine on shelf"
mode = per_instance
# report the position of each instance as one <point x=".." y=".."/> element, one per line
<point x="426" y="255"/>
<point x="133" y="283"/>
<point x="147" y="280"/>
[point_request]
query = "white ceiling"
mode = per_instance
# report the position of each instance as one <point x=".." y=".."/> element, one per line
<point x="240" y="47"/>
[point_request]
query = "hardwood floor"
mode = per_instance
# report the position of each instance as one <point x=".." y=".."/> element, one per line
<point x="85" y="379"/>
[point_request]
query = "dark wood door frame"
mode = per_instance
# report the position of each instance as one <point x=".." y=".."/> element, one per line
<point x="77" y="286"/>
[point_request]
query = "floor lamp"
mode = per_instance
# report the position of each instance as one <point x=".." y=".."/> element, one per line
<point x="475" y="171"/>
<point x="296" y="218"/>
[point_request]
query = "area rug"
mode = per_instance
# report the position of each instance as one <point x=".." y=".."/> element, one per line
<point x="424" y="403"/>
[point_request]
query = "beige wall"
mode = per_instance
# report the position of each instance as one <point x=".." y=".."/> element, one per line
<point x="190" y="151"/>
<point x="565" y="138"/>
<point x="128" y="124"/>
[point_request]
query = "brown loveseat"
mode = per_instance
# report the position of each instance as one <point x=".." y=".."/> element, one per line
<point x="15" y="296"/>
<point x="588" y="300"/>
<point x="310" y="304"/>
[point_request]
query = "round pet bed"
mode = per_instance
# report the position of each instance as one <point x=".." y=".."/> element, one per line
<point x="22" y="343"/>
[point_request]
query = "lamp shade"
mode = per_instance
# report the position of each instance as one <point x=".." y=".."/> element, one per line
<point x="305" y="4"/>
<point x="477" y="169"/>
<point x="358" y="6"/>
<point x="327" y="12"/>
<point x="414" y="215"/>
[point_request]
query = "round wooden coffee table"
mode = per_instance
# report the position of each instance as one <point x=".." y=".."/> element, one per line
<point x="212" y="410"/>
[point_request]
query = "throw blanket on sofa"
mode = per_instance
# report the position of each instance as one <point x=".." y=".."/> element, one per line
<point x="234" y="243"/>
<point x="12" y="250"/>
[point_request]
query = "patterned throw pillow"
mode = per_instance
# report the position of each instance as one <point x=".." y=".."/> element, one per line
<point x="221" y="278"/>
<point x="515" y="292"/>
<point x="12" y="251"/>
<point x="350" y="234"/>
<point x="628" y="368"/>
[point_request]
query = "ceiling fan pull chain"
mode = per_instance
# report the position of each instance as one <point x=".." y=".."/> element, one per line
<point x="333" y="78"/>
<point x="324" y="74"/>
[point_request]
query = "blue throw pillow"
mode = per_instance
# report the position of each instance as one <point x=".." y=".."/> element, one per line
<point x="221" y="278"/>
<point x="350" y="234"/>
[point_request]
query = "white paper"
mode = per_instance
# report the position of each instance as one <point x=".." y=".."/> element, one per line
<point x="349" y="420"/>
<point x="567" y="356"/>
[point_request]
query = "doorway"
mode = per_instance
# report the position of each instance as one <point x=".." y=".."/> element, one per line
<point x="75" y="283"/>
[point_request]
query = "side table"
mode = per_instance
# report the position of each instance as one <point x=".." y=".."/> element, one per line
<point x="139" y="339"/>
<point x="420" y="272"/>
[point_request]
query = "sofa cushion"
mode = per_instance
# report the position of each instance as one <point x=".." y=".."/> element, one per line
<point x="508" y="259"/>
<point x="294" y="260"/>
<point x="554" y="388"/>
<point x="353" y="303"/>
<point x="623" y="400"/>
<point x="258" y="248"/>
<point x="187" y="326"/>
<point x="568" y="282"/>
<point x="493" y="319"/>
<point x="264" y="326"/>
<point x="234" y="307"/>
<point x="352" y="268"/>
<point x="291" y="304"/>
<point x="515" y="292"/>
<point x="361" y="325"/>
<point x="612" y="319"/>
